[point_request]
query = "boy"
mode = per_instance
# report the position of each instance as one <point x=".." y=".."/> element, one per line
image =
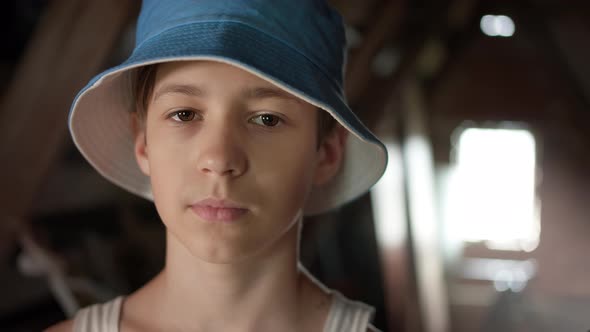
<point x="232" y="135"/>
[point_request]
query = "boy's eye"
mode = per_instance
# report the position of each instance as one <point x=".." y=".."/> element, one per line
<point x="267" y="120"/>
<point x="183" y="116"/>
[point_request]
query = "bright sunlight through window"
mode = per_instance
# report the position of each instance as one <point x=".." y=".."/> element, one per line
<point x="492" y="189"/>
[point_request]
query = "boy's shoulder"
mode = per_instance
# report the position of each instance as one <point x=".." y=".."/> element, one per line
<point x="65" y="326"/>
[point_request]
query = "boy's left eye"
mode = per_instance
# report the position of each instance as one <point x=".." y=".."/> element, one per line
<point x="183" y="116"/>
<point x="267" y="120"/>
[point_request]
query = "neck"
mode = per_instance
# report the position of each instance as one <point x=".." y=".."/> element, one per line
<point x="234" y="296"/>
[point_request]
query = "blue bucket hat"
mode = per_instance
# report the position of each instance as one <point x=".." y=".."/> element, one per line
<point x="299" y="46"/>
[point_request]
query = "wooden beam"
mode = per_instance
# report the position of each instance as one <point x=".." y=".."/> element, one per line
<point x="564" y="40"/>
<point x="355" y="13"/>
<point x="386" y="26"/>
<point x="443" y="19"/>
<point x="424" y="224"/>
<point x="384" y="101"/>
<point x="71" y="43"/>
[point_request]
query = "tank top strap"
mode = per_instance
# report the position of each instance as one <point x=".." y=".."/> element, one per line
<point x="345" y="315"/>
<point x="102" y="317"/>
<point x="348" y="316"/>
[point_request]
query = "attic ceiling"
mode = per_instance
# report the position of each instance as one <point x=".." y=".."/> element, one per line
<point x="388" y="41"/>
<point x="454" y="22"/>
<point x="438" y="43"/>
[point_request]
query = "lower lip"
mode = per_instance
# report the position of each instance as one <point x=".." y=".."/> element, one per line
<point x="218" y="214"/>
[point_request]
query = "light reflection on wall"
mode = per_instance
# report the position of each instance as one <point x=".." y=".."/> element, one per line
<point x="491" y="194"/>
<point x="387" y="198"/>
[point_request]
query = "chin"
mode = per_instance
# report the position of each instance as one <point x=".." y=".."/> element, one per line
<point x="218" y="247"/>
<point x="218" y="254"/>
<point x="232" y="251"/>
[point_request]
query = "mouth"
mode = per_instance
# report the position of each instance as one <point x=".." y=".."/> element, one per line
<point x="218" y="210"/>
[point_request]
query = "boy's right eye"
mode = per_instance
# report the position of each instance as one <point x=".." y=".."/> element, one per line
<point x="182" y="115"/>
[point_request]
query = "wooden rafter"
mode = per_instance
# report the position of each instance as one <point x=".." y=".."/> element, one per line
<point x="71" y="43"/>
<point x="386" y="26"/>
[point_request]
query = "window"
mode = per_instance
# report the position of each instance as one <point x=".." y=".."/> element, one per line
<point x="491" y="191"/>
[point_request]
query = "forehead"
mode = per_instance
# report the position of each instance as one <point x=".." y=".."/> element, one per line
<point x="202" y="78"/>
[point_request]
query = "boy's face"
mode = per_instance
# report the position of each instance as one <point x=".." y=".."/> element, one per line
<point x="214" y="131"/>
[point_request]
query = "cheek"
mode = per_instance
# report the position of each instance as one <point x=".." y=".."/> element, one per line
<point x="284" y="173"/>
<point x="164" y="191"/>
<point x="165" y="174"/>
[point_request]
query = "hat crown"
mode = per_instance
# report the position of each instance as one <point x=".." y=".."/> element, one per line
<point x="310" y="27"/>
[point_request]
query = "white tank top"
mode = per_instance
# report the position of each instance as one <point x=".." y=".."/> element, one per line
<point x="344" y="316"/>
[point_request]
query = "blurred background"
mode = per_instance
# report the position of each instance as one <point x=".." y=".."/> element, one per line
<point x="479" y="224"/>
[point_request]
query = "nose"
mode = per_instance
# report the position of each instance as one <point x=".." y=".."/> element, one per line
<point x="221" y="153"/>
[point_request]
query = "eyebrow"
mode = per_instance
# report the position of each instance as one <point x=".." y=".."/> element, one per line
<point x="267" y="92"/>
<point x="249" y="93"/>
<point x="185" y="89"/>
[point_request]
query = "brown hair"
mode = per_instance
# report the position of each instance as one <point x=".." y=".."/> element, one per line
<point x="143" y="87"/>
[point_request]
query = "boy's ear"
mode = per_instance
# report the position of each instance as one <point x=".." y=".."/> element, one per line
<point x="331" y="154"/>
<point x="140" y="144"/>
